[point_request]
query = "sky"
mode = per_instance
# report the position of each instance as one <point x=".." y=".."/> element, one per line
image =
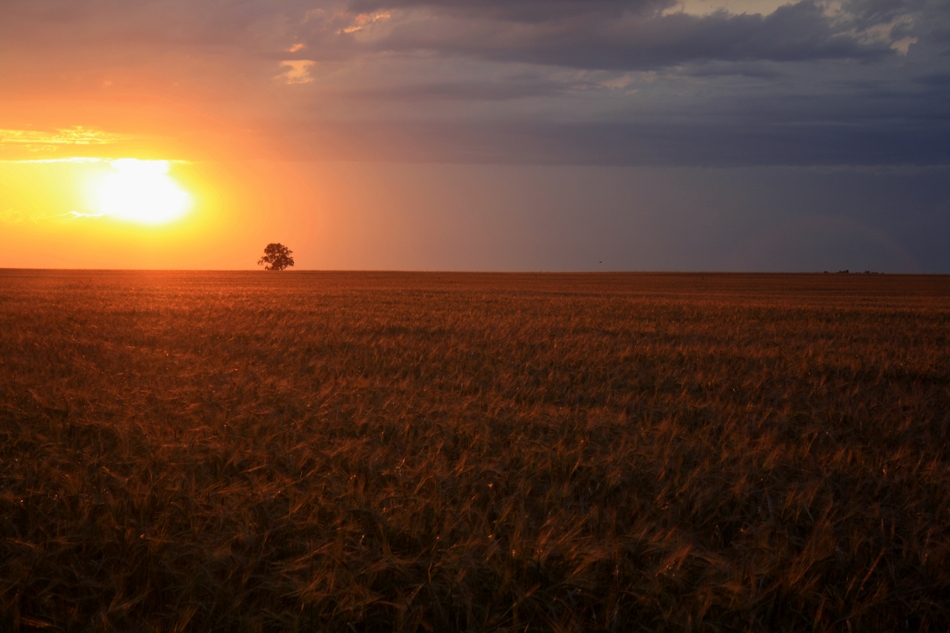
<point x="549" y="135"/>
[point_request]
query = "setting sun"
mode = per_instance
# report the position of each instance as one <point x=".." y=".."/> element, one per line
<point x="140" y="191"/>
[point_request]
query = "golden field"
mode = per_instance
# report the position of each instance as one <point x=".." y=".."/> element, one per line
<point x="250" y="451"/>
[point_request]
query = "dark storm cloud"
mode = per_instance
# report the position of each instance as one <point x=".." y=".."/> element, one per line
<point x="503" y="90"/>
<point x="808" y="84"/>
<point x="563" y="81"/>
<point x="699" y="145"/>
<point x="162" y="25"/>
<point x="592" y="34"/>
<point x="619" y="38"/>
<point x="521" y="10"/>
<point x="936" y="79"/>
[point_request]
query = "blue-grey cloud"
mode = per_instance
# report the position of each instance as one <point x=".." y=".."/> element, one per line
<point x="521" y="10"/>
<point x="701" y="145"/>
<point x="455" y="91"/>
<point x="565" y="81"/>
<point x="635" y="41"/>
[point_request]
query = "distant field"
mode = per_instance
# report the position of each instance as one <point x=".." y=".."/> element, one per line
<point x="381" y="451"/>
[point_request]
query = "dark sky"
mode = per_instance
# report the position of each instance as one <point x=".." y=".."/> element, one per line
<point x="521" y="134"/>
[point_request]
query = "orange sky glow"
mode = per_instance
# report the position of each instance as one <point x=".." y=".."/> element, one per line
<point x="515" y="135"/>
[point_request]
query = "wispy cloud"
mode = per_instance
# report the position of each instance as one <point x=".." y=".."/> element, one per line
<point x="52" y="140"/>
<point x="297" y="71"/>
<point x="364" y="20"/>
<point x="78" y="215"/>
<point x="17" y="217"/>
<point x="71" y="159"/>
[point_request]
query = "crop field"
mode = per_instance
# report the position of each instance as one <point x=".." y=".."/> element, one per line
<point x="296" y="451"/>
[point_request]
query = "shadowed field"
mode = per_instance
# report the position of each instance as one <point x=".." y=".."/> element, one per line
<point x="307" y="451"/>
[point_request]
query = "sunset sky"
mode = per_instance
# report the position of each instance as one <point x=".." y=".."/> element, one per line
<point x="476" y="134"/>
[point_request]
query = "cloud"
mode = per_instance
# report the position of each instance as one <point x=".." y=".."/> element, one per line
<point x="78" y="215"/>
<point x="526" y="11"/>
<point x="455" y="91"/>
<point x="297" y="71"/>
<point x="13" y="217"/>
<point x="584" y="81"/>
<point x="52" y="140"/>
<point x="635" y="144"/>
<point x="619" y="34"/>
<point x="605" y="34"/>
<point x="362" y="21"/>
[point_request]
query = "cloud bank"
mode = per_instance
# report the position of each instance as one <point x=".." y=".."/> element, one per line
<point x="639" y="82"/>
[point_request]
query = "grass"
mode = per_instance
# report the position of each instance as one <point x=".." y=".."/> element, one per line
<point x="370" y="451"/>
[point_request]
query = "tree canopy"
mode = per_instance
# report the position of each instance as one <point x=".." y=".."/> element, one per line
<point x="276" y="257"/>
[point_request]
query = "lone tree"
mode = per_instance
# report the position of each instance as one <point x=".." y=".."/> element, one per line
<point x="276" y="257"/>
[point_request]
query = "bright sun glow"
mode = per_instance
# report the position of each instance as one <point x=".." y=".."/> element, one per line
<point x="141" y="191"/>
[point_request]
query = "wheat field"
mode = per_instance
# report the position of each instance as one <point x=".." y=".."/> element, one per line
<point x="297" y="451"/>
